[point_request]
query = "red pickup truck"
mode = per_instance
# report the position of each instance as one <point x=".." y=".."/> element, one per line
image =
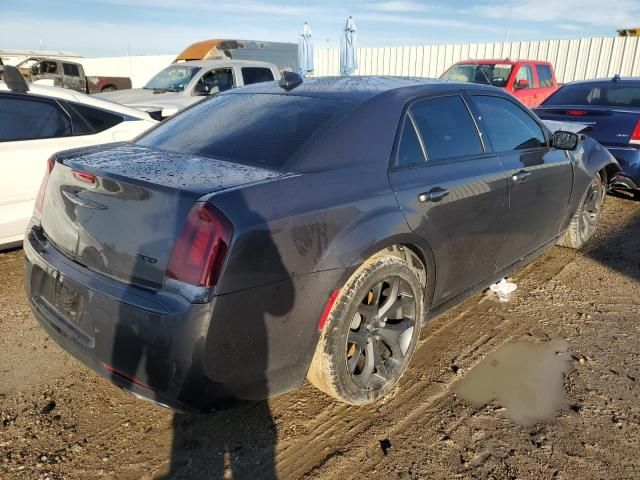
<point x="530" y="81"/>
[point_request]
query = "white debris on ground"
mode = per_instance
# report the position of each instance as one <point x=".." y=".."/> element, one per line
<point x="503" y="289"/>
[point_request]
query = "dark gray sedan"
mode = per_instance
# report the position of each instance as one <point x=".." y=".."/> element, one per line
<point x="280" y="232"/>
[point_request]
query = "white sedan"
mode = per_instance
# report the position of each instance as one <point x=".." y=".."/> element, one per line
<point x="39" y="121"/>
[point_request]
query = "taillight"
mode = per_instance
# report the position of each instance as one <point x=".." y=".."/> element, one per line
<point x="84" y="177"/>
<point x="43" y="186"/>
<point x="576" y="112"/>
<point x="635" y="136"/>
<point x="198" y="255"/>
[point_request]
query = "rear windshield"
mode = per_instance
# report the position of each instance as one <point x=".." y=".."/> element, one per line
<point x="495" y="74"/>
<point x="608" y="95"/>
<point x="254" y="129"/>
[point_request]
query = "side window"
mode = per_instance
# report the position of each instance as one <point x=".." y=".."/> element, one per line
<point x="409" y="150"/>
<point x="446" y="128"/>
<point x="256" y="74"/>
<point x="509" y="127"/>
<point x="215" y="81"/>
<point x="23" y="118"/>
<point x="545" y="78"/>
<point x="71" y="69"/>
<point x="525" y="73"/>
<point x="91" y="120"/>
<point x="44" y="67"/>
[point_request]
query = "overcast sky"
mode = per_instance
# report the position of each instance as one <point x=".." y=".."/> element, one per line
<point x="112" y="27"/>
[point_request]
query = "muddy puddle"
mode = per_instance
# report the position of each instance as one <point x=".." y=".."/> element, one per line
<point x="524" y="378"/>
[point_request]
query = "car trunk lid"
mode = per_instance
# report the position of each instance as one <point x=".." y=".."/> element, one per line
<point x="608" y="126"/>
<point x="119" y="210"/>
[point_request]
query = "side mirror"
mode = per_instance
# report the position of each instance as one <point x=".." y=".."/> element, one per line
<point x="565" y="140"/>
<point x="200" y="89"/>
<point x="13" y="79"/>
<point x="522" y="83"/>
<point x="168" y="111"/>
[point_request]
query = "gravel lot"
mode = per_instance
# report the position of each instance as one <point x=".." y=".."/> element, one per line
<point x="60" y="420"/>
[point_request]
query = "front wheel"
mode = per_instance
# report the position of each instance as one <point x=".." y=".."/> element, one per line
<point x="371" y="332"/>
<point x="585" y="220"/>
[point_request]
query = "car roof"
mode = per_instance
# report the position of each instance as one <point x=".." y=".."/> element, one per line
<point x="505" y="61"/>
<point x="359" y="89"/>
<point x="83" y="98"/>
<point x="607" y="81"/>
<point x="224" y="62"/>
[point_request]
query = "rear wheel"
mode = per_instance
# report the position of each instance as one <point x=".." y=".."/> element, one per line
<point x="584" y="222"/>
<point x="109" y="88"/>
<point x="371" y="332"/>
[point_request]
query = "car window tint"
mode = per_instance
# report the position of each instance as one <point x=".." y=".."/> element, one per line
<point x="217" y="80"/>
<point x="45" y="67"/>
<point x="509" y="127"/>
<point x="256" y="74"/>
<point x="23" y="118"/>
<point x="447" y="128"/>
<point x="525" y="73"/>
<point x="607" y="95"/>
<point x="71" y="69"/>
<point x="98" y="119"/>
<point x="545" y="78"/>
<point x="263" y="130"/>
<point x="409" y="150"/>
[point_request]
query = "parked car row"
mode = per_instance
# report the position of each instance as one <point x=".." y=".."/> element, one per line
<point x="157" y="261"/>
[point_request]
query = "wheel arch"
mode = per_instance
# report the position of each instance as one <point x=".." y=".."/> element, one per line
<point x="417" y="247"/>
<point x="598" y="159"/>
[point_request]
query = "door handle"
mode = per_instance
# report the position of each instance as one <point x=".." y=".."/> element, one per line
<point x="521" y="176"/>
<point x="434" y="195"/>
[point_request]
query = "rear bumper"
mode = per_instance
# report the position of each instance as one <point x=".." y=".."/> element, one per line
<point x="143" y="341"/>
<point x="157" y="345"/>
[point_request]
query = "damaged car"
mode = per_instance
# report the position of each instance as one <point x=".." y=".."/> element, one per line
<point x="298" y="229"/>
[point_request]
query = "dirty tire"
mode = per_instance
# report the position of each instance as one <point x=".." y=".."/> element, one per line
<point x="585" y="221"/>
<point x="109" y="88"/>
<point x="372" y="329"/>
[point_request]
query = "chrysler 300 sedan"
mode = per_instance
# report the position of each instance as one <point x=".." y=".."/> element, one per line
<point x="297" y="230"/>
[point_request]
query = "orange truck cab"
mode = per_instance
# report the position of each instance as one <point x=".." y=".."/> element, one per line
<point x="530" y="81"/>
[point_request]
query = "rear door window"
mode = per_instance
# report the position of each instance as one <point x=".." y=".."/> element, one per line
<point x="256" y="75"/>
<point x="71" y="69"/>
<point x="88" y="119"/>
<point x="447" y="128"/>
<point x="509" y="127"/>
<point x="216" y="81"/>
<point x="409" y="152"/>
<point x="545" y="77"/>
<point x="24" y="118"/>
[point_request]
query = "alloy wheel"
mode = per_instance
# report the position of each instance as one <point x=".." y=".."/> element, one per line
<point x="380" y="333"/>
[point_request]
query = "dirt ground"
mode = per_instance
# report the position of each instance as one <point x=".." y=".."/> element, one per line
<point x="60" y="420"/>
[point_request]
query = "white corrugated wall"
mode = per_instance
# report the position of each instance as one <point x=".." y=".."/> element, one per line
<point x="575" y="59"/>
